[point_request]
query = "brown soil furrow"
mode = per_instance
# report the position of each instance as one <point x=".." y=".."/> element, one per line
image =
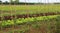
<point x="27" y="15"/>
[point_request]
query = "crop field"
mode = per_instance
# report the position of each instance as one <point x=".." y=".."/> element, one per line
<point x="21" y="11"/>
<point x="30" y="18"/>
<point x="27" y="9"/>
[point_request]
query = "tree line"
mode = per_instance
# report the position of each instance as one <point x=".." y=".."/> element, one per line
<point x="20" y="3"/>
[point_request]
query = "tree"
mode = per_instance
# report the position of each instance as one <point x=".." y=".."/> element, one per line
<point x="6" y="2"/>
<point x="0" y="1"/>
<point x="14" y="1"/>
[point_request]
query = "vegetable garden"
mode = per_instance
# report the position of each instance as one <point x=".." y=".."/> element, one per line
<point x="30" y="18"/>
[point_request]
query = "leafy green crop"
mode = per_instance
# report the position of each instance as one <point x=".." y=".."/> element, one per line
<point x="22" y="20"/>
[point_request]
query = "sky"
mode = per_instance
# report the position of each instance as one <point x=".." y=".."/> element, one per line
<point x="36" y="1"/>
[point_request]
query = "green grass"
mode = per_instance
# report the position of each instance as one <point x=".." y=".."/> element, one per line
<point x="29" y="7"/>
<point x="6" y="10"/>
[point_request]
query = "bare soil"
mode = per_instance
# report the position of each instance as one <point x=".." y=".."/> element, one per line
<point x="27" y="15"/>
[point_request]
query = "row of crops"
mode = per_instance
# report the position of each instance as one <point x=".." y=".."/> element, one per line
<point x="35" y="22"/>
<point x="6" y="23"/>
<point x="30" y="7"/>
<point x="40" y="24"/>
<point x="6" y="10"/>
